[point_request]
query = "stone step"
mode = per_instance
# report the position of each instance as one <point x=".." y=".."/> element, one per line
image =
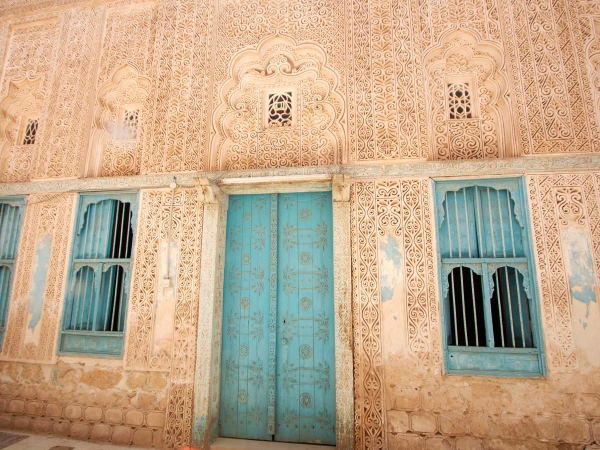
<point x="243" y="444"/>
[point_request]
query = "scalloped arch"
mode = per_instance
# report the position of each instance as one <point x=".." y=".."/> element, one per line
<point x="241" y="137"/>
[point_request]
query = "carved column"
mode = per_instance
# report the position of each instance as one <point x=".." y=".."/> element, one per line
<point x="206" y="384"/>
<point x="343" y="313"/>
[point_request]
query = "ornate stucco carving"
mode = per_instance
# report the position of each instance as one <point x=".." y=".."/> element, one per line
<point x="402" y="207"/>
<point x="556" y="200"/>
<point x="113" y="151"/>
<point x="23" y="101"/>
<point x="32" y="331"/>
<point x="488" y="132"/>
<point x="244" y="139"/>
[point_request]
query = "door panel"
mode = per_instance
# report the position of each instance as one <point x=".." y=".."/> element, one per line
<point x="278" y="357"/>
<point x="246" y="300"/>
<point x="305" y="396"/>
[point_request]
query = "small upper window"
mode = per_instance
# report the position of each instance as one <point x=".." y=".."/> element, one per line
<point x="30" y="132"/>
<point x="280" y="110"/>
<point x="459" y="101"/>
<point x="129" y="126"/>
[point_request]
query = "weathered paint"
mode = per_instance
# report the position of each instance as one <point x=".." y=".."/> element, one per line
<point x="390" y="265"/>
<point x="36" y="296"/>
<point x="579" y="265"/>
<point x="166" y="298"/>
<point x="393" y="298"/>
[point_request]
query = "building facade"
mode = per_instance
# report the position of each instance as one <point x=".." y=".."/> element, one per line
<point x="365" y="223"/>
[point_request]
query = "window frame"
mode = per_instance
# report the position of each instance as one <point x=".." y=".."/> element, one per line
<point x="19" y="202"/>
<point x="516" y="186"/>
<point x="109" y="338"/>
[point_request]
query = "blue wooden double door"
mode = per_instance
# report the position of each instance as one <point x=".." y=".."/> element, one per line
<point x="278" y="354"/>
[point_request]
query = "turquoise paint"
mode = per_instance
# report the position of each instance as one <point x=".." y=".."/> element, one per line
<point x="462" y="198"/>
<point x="278" y="354"/>
<point x="40" y="273"/>
<point x="580" y="267"/>
<point x="93" y="261"/>
<point x="390" y="266"/>
<point x="305" y="396"/>
<point x="246" y="317"/>
<point x="199" y="430"/>
<point x="11" y="213"/>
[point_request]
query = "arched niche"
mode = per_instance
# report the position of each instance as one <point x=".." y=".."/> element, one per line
<point x="115" y="140"/>
<point x="19" y="109"/>
<point x="468" y="102"/>
<point x="278" y="75"/>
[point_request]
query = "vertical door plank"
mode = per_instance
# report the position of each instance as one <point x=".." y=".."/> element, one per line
<point x="306" y="351"/>
<point x="246" y="297"/>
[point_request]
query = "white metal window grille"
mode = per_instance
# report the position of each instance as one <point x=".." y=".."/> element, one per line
<point x="11" y="214"/>
<point x="489" y="309"/>
<point x="280" y="110"/>
<point x="459" y="101"/>
<point x="129" y="131"/>
<point x="96" y="303"/>
<point x="30" y="132"/>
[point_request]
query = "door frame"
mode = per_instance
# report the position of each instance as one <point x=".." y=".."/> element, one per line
<point x="206" y="382"/>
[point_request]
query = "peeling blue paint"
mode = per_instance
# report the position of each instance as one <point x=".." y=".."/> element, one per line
<point x="40" y="273"/>
<point x="391" y="265"/>
<point x="580" y="270"/>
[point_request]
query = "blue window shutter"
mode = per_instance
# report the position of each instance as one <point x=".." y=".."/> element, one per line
<point x="11" y="216"/>
<point x="96" y="302"/>
<point x="489" y="307"/>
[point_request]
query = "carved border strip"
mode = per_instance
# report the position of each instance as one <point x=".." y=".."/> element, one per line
<point x="490" y="167"/>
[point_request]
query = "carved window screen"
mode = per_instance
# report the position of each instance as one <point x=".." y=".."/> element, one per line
<point x="460" y="102"/>
<point x="129" y="125"/>
<point x="30" y="132"/>
<point x="11" y="215"/>
<point x="280" y="110"/>
<point x="490" y="317"/>
<point x="96" y="301"/>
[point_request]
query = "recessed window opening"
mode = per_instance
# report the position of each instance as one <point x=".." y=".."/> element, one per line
<point x="105" y="238"/>
<point x="459" y="101"/>
<point x="280" y="110"/>
<point x="96" y="301"/>
<point x="510" y="310"/>
<point x="488" y="306"/>
<point x="467" y="322"/>
<point x="30" y="132"/>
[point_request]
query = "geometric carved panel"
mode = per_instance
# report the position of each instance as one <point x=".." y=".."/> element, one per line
<point x="167" y="232"/>
<point x="403" y="208"/>
<point x="555" y="200"/>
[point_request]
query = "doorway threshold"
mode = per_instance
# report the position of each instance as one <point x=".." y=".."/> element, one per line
<point x="246" y="444"/>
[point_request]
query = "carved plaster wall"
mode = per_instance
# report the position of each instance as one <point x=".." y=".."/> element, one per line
<point x="400" y="209"/>
<point x="555" y="201"/>
<point x="593" y="58"/>
<point x="162" y="320"/>
<point x="115" y="147"/>
<point x="486" y="131"/>
<point x="28" y="70"/>
<point x="39" y="280"/>
<point x="246" y="138"/>
<point x="545" y="47"/>
<point x="123" y="90"/>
